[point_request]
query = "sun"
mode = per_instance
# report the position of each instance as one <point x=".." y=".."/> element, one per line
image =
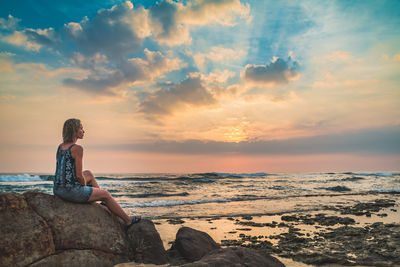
<point x="235" y="134"/>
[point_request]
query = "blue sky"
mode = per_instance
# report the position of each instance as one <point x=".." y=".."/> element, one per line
<point x="278" y="76"/>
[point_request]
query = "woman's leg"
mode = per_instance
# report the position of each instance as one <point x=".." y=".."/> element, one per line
<point x="90" y="180"/>
<point x="105" y="196"/>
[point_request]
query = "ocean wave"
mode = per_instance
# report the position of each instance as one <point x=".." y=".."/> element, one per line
<point x="390" y="174"/>
<point x="20" y="178"/>
<point x="184" y="194"/>
<point x="157" y="179"/>
<point x="256" y="174"/>
<point x="167" y="203"/>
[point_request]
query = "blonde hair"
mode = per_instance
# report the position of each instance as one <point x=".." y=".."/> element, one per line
<point x="70" y="130"/>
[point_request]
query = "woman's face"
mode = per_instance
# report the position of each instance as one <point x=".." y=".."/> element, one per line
<point x="81" y="132"/>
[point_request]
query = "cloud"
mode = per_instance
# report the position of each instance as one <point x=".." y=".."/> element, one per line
<point x="20" y="39"/>
<point x="385" y="141"/>
<point x="218" y="54"/>
<point x="46" y="37"/>
<point x="223" y="12"/>
<point x="120" y="30"/>
<point x="34" y="39"/>
<point x="190" y="92"/>
<point x="171" y="21"/>
<point x="128" y="72"/>
<point x="9" y="24"/>
<point x="278" y="71"/>
<point x="110" y="32"/>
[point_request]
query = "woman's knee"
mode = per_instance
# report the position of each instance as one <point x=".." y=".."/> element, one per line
<point x="88" y="174"/>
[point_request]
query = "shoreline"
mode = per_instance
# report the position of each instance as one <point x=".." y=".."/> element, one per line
<point x="338" y="234"/>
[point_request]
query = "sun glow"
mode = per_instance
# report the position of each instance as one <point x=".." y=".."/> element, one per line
<point x="235" y="134"/>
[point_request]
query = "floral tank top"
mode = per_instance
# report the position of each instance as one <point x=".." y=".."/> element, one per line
<point x="65" y="171"/>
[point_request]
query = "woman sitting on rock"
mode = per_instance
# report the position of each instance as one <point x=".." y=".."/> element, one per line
<point x="73" y="184"/>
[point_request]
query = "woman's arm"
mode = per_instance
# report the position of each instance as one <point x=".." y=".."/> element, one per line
<point x="77" y="154"/>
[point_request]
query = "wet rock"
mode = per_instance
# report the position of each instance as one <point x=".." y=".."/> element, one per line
<point x="369" y="207"/>
<point x="175" y="221"/>
<point x="236" y="257"/>
<point x="146" y="243"/>
<point x="290" y="218"/>
<point x="338" y="189"/>
<point x="254" y="224"/>
<point x="282" y="224"/>
<point x="191" y="244"/>
<point x="320" y="219"/>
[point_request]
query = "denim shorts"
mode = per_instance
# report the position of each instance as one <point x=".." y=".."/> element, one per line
<point x="78" y="193"/>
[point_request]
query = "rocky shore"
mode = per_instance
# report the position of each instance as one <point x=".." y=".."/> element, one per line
<point x="334" y="239"/>
<point x="38" y="229"/>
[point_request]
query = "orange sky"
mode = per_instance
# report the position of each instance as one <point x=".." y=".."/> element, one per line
<point x="231" y="86"/>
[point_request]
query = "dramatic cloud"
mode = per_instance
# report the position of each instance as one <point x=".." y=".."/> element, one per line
<point x="189" y="92"/>
<point x="278" y="72"/>
<point x="109" y="32"/>
<point x="128" y="72"/>
<point x="171" y="21"/>
<point x="120" y="30"/>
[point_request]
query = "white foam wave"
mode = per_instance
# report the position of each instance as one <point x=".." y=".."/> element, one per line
<point x="20" y="178"/>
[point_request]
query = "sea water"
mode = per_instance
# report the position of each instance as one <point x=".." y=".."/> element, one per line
<point x="196" y="195"/>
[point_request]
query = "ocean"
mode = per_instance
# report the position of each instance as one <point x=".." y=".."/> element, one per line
<point x="157" y="196"/>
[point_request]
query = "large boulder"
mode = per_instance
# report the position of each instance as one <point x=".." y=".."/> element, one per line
<point x="146" y="243"/>
<point x="74" y="257"/>
<point x="237" y="256"/>
<point x="25" y="236"/>
<point x="43" y="230"/>
<point x="79" y="226"/>
<point x="192" y="244"/>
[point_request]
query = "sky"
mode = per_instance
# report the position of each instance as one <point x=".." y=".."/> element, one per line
<point x="203" y="85"/>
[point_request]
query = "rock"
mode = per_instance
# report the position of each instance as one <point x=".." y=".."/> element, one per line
<point x="38" y="229"/>
<point x="146" y="243"/>
<point x="236" y="256"/>
<point x="43" y="230"/>
<point x="80" y="258"/>
<point x="80" y="226"/>
<point x="25" y="236"/>
<point x="192" y="245"/>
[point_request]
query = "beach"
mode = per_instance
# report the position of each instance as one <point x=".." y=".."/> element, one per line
<point x="304" y="219"/>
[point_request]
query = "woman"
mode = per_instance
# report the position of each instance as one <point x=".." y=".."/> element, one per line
<point x="73" y="184"/>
